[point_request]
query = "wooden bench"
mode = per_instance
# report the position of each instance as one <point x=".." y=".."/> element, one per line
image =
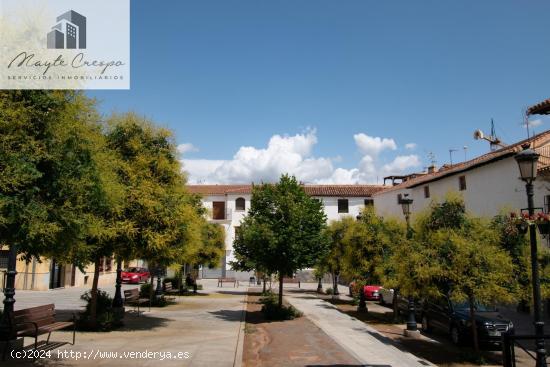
<point x="132" y="298"/>
<point x="292" y="281"/>
<point x="228" y="280"/>
<point x="35" y="321"/>
<point x="170" y="291"/>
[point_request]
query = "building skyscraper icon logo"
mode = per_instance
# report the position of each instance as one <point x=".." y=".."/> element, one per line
<point x="69" y="32"/>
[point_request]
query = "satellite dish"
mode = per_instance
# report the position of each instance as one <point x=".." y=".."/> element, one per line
<point x="478" y="134"/>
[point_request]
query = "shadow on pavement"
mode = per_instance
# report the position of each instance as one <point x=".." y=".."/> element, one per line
<point x="228" y="315"/>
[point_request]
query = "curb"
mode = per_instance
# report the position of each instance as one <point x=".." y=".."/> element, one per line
<point x="238" y="361"/>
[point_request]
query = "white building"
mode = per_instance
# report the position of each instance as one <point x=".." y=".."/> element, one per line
<point x="488" y="183"/>
<point x="228" y="204"/>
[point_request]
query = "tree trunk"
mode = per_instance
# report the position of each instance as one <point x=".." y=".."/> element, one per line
<point x="264" y="281"/>
<point x="93" y="301"/>
<point x="395" y="304"/>
<point x="280" y="290"/>
<point x="473" y="324"/>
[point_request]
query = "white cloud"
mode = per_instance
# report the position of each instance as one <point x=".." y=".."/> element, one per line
<point x="410" y="146"/>
<point x="402" y="163"/>
<point x="186" y="147"/>
<point x="293" y="155"/>
<point x="373" y="145"/>
<point x="533" y="123"/>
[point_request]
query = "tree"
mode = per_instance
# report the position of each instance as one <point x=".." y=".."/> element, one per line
<point x="166" y="217"/>
<point x="282" y="232"/>
<point x="333" y="260"/>
<point x="51" y="176"/>
<point x="366" y="243"/>
<point x="467" y="260"/>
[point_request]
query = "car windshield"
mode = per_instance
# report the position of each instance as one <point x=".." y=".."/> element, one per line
<point x="465" y="306"/>
<point x="132" y="270"/>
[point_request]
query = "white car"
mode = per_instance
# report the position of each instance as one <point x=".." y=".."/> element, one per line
<point x="386" y="296"/>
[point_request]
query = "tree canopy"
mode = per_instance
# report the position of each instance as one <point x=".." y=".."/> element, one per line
<point x="282" y="232"/>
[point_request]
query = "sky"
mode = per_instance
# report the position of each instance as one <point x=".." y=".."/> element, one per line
<point x="334" y="91"/>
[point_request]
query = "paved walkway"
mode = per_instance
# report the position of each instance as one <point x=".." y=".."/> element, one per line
<point x="208" y="327"/>
<point x="362" y="341"/>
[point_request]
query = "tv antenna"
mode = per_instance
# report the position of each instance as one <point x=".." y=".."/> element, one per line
<point x="494" y="142"/>
<point x="465" y="152"/>
<point x="451" y="151"/>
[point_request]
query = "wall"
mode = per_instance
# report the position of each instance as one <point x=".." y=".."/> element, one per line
<point x="489" y="189"/>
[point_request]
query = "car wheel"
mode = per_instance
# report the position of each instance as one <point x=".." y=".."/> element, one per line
<point x="455" y="336"/>
<point x="425" y="324"/>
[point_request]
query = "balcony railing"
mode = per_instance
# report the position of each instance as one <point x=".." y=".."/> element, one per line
<point x="228" y="215"/>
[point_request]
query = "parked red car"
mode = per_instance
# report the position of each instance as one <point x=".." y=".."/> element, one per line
<point x="372" y="292"/>
<point x="135" y="275"/>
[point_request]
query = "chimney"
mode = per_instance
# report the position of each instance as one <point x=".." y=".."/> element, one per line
<point x="432" y="168"/>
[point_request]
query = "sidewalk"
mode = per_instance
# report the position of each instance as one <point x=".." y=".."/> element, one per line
<point x="209" y="327"/>
<point x="363" y="342"/>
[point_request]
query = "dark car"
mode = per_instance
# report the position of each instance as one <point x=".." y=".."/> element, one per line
<point x="454" y="319"/>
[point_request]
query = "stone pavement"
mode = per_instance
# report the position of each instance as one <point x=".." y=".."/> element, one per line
<point x="209" y="327"/>
<point x="363" y="342"/>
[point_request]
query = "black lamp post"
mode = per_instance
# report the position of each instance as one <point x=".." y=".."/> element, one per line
<point x="118" y="303"/>
<point x="158" y="290"/>
<point x="9" y="293"/>
<point x="527" y="161"/>
<point x="406" y="206"/>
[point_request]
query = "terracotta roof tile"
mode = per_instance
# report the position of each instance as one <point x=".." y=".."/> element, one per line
<point x="542" y="108"/>
<point x="313" y="190"/>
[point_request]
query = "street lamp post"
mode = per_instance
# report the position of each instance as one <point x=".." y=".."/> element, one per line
<point x="158" y="290"/>
<point x="527" y="161"/>
<point x="406" y="203"/>
<point x="9" y="293"/>
<point x="118" y="303"/>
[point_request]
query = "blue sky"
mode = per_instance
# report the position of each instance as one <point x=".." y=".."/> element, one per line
<point x="230" y="74"/>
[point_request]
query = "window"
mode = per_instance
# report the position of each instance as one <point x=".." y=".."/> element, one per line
<point x="369" y="202"/>
<point x="240" y="204"/>
<point x="343" y="206"/>
<point x="426" y="191"/>
<point x="218" y="210"/>
<point x="399" y="197"/>
<point x="547" y="204"/>
<point x="462" y="183"/>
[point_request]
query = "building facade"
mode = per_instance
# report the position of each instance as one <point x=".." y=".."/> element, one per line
<point x="489" y="183"/>
<point x="227" y="205"/>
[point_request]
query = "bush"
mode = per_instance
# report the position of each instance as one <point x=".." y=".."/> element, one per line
<point x="329" y="291"/>
<point x="272" y="311"/>
<point x="106" y="318"/>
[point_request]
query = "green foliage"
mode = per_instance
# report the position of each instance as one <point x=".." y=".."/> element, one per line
<point x="164" y="216"/>
<point x="272" y="311"/>
<point x="329" y="291"/>
<point x="211" y="248"/>
<point x="367" y="243"/>
<point x="106" y="317"/>
<point x="464" y="257"/>
<point x="332" y="260"/>
<point x="282" y="232"/>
